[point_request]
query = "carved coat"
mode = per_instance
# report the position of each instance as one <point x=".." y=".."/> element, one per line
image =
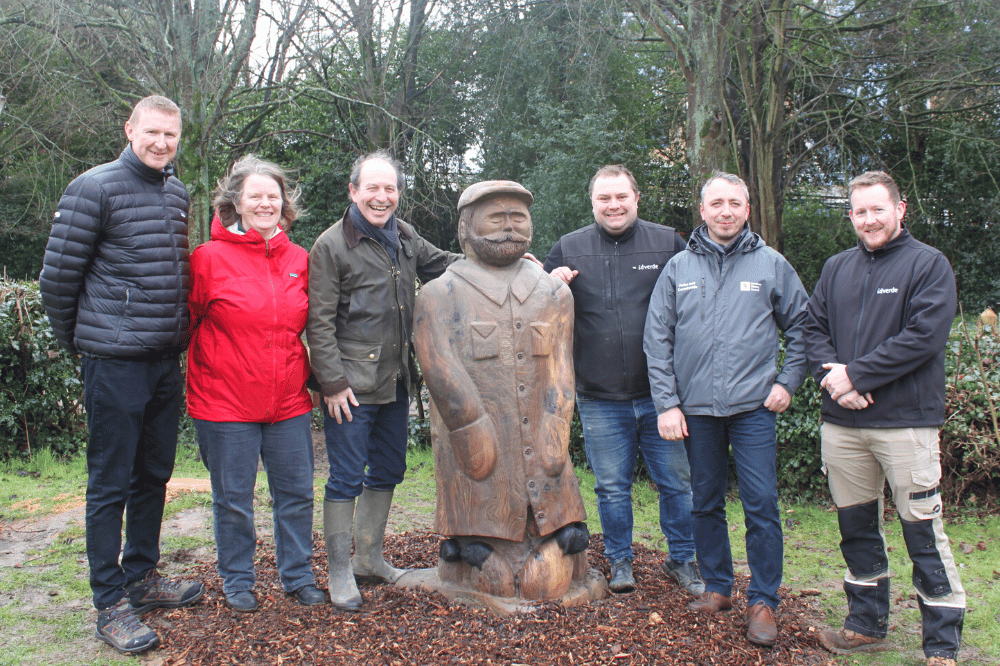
<point x="497" y="359"/>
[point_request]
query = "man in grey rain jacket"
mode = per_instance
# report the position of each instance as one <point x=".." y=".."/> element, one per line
<point x="711" y="342"/>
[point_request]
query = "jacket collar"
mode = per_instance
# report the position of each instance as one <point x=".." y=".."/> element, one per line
<point x="251" y="237"/>
<point x="147" y="173"/>
<point x="620" y="238"/>
<point x="495" y="288"/>
<point x="699" y="241"/>
<point x="353" y="235"/>
<point x="902" y="239"/>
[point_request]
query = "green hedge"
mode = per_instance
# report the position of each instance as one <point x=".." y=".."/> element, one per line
<point x="41" y="406"/>
<point x="41" y="396"/>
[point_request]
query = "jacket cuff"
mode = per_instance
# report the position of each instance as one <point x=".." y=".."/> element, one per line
<point x="334" y="388"/>
<point x="666" y="404"/>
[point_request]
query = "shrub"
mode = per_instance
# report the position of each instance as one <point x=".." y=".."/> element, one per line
<point x="970" y="438"/>
<point x="799" y="462"/>
<point x="41" y="396"/>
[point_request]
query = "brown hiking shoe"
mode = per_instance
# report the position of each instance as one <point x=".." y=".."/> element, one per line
<point x="846" y="641"/>
<point x="711" y="602"/>
<point x="940" y="661"/>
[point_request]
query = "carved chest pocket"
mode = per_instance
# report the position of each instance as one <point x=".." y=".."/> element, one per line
<point x="485" y="340"/>
<point x="542" y="338"/>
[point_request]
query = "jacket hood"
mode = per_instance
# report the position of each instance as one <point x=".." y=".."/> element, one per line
<point x="699" y="241"/>
<point x="147" y="173"/>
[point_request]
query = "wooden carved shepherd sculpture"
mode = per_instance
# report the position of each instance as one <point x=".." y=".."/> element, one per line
<point x="494" y="336"/>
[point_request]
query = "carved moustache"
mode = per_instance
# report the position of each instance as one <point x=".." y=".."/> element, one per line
<point x="500" y="249"/>
<point x="505" y="237"/>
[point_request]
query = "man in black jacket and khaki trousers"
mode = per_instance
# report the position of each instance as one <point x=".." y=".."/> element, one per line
<point x="115" y="284"/>
<point x="875" y="337"/>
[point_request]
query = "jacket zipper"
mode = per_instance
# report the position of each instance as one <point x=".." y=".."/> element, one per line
<point x="395" y="272"/>
<point x="274" y="326"/>
<point x="615" y="299"/>
<point x="121" y="320"/>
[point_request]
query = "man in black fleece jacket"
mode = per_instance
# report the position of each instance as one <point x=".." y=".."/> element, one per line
<point x="875" y="340"/>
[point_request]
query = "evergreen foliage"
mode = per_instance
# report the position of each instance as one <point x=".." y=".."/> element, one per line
<point x="41" y="395"/>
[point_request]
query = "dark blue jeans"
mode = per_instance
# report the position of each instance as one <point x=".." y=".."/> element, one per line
<point x="614" y="432"/>
<point x="133" y="409"/>
<point x="374" y="439"/>
<point x="230" y="452"/>
<point x="751" y="435"/>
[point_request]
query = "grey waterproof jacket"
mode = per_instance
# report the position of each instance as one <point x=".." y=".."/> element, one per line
<point x="711" y="337"/>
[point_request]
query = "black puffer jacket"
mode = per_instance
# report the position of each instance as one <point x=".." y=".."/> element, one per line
<point x="115" y="278"/>
<point x="610" y="296"/>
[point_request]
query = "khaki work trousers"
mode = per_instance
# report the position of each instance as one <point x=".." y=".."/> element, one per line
<point x="858" y="462"/>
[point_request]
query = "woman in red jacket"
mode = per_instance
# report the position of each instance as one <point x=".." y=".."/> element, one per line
<point x="246" y="378"/>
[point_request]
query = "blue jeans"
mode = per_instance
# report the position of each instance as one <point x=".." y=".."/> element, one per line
<point x="133" y="410"/>
<point x="375" y="439"/>
<point x="614" y="432"/>
<point x="230" y="452"/>
<point x="751" y="435"/>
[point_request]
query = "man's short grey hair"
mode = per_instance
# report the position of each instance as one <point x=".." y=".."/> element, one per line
<point x="154" y="103"/>
<point x="730" y="178"/>
<point x="383" y="155"/>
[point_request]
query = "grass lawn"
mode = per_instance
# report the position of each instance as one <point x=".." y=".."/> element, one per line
<point x="45" y="597"/>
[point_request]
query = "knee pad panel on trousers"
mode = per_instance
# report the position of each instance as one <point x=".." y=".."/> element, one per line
<point x="868" y="607"/>
<point x="942" y="629"/>
<point x="929" y="574"/>
<point x="861" y="541"/>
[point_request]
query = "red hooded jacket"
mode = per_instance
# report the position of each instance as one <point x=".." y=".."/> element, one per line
<point x="249" y="302"/>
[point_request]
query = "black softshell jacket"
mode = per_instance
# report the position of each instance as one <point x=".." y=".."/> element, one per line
<point x="886" y="315"/>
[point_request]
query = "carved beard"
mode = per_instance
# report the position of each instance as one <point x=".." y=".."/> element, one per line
<point x="500" y="249"/>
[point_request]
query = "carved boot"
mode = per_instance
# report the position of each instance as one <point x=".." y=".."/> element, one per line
<point x="369" y="533"/>
<point x="338" y="517"/>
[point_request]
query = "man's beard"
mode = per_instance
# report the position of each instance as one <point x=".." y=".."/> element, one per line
<point x="500" y="249"/>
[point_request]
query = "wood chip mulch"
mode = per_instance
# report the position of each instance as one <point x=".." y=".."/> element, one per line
<point x="404" y="627"/>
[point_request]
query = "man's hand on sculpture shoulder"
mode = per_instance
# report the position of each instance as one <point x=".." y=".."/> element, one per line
<point x="672" y="425"/>
<point x="533" y="258"/>
<point x="854" y="400"/>
<point x="779" y="399"/>
<point x="836" y="382"/>
<point x="564" y="273"/>
<point x="339" y="404"/>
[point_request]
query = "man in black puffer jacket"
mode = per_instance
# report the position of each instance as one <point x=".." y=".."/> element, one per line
<point x="115" y="284"/>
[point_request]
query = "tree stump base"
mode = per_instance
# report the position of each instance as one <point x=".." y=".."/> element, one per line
<point x="510" y="576"/>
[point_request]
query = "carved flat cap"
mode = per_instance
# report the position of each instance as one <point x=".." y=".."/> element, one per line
<point x="477" y="191"/>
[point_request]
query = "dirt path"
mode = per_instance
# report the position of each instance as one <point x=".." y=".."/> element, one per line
<point x="62" y="617"/>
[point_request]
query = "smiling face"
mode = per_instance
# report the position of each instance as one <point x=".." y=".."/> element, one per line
<point x="259" y="206"/>
<point x="725" y="209"/>
<point x="154" y="137"/>
<point x="615" y="203"/>
<point x="877" y="220"/>
<point x="377" y="191"/>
